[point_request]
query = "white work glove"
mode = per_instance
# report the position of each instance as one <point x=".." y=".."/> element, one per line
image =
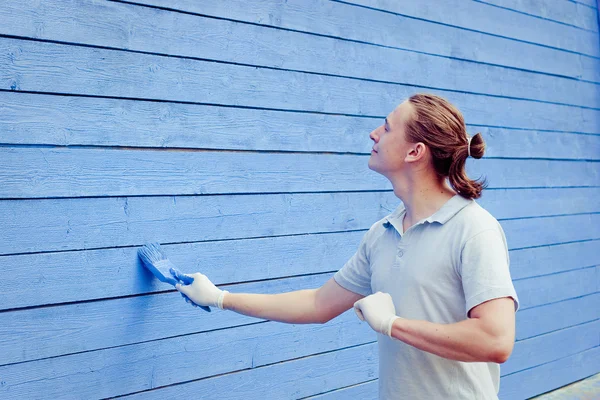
<point x="379" y="312"/>
<point x="201" y="291"/>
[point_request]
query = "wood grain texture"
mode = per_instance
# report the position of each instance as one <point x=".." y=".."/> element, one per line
<point x="539" y="350"/>
<point x="552" y="317"/>
<point x="318" y="374"/>
<point x="36" y="333"/>
<point x="367" y="390"/>
<point x="124" y="26"/>
<point x="47" y="225"/>
<point x="79" y="121"/>
<point x="156" y="364"/>
<point x="553" y="259"/>
<point x="79" y="327"/>
<point x="566" y="12"/>
<point x="365" y="25"/>
<point x="54" y="68"/>
<point x="547" y="289"/>
<point x="550" y="376"/>
<point x="493" y="20"/>
<point x="63" y="172"/>
<point x="144" y="366"/>
<point x="218" y="234"/>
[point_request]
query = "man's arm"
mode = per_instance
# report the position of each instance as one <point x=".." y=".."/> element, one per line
<point x="487" y="336"/>
<point x="299" y="307"/>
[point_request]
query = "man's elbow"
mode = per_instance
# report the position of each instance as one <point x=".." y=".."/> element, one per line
<point x="501" y="351"/>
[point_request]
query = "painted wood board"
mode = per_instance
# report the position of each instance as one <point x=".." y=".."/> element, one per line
<point x="41" y="332"/>
<point x="158" y="31"/>
<point x="552" y="317"/>
<point x="46" y="225"/>
<point x="128" y="369"/>
<point x="40" y="278"/>
<point x="554" y="346"/>
<point x="550" y="376"/>
<point x="350" y="22"/>
<point x="64" y="172"/>
<point x="113" y="73"/>
<point x="33" y="119"/>
<point x="566" y="12"/>
<point x="482" y="17"/>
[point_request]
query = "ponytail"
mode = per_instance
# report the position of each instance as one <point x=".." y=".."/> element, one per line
<point x="441" y="126"/>
<point x="457" y="175"/>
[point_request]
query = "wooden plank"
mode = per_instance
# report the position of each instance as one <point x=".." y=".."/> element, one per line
<point x="117" y="271"/>
<point x="75" y="224"/>
<point x="156" y="364"/>
<point x="129" y="369"/>
<point x="114" y="73"/>
<point x="524" y="203"/>
<point x="553" y="346"/>
<point x="93" y="223"/>
<point x="123" y="26"/>
<point x="482" y="17"/>
<point x="37" y="333"/>
<point x="566" y="12"/>
<point x="65" y="172"/>
<point x="318" y="374"/>
<point x="71" y="121"/>
<point x="551" y="230"/>
<point x="542" y="290"/>
<point x="550" y="376"/>
<point x="553" y="259"/>
<point x="543" y="319"/>
<point x="364" y="25"/>
<point x="364" y="391"/>
<point x="42" y="332"/>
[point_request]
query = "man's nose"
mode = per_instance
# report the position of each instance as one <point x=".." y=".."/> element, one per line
<point x="373" y="135"/>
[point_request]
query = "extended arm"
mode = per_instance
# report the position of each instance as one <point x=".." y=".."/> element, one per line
<point x="298" y="307"/>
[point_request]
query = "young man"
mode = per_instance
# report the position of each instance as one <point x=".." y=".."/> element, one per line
<point x="432" y="278"/>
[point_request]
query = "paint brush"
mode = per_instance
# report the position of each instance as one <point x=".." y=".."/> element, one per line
<point x="156" y="261"/>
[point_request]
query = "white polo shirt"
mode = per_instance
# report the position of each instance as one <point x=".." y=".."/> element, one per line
<point x="436" y="271"/>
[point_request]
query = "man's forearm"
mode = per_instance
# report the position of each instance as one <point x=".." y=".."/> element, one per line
<point x="463" y="341"/>
<point x="296" y="307"/>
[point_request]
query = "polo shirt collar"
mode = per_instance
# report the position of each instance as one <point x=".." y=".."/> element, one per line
<point x="443" y="215"/>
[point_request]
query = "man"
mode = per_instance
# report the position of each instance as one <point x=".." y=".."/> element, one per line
<point x="432" y="278"/>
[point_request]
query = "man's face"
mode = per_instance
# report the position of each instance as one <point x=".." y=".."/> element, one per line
<point x="389" y="144"/>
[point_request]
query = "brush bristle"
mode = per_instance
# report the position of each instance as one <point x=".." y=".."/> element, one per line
<point x="151" y="253"/>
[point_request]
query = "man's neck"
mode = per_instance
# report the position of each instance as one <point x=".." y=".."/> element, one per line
<point x="420" y="199"/>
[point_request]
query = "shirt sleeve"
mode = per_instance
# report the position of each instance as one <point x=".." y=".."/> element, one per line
<point x="355" y="275"/>
<point x="485" y="269"/>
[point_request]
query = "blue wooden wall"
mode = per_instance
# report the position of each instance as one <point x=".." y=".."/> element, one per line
<point x="236" y="134"/>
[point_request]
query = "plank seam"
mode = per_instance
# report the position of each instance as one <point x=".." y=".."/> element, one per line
<point x="347" y="39"/>
<point x="60" y="43"/>
<point x="554" y="244"/>
<point x="159" y="292"/>
<point x="250" y="151"/>
<point x="466" y="29"/>
<point x="338" y="389"/>
<point x="136" y="343"/>
<point x="566" y="271"/>
<point x="535" y="16"/>
<point x="548" y="362"/>
<point x="560" y="301"/>
<point x="243" y="370"/>
<point x="314" y="112"/>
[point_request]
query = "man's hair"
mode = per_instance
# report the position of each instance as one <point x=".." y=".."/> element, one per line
<point x="441" y="127"/>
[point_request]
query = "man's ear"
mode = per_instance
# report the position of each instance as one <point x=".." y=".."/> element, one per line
<point x="416" y="152"/>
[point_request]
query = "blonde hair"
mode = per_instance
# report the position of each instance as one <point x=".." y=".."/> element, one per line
<point x="441" y="127"/>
